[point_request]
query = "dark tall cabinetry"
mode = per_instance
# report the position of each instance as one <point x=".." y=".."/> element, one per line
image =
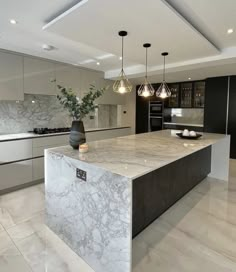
<point x="220" y="108"/>
<point x="216" y="104"/>
<point x="232" y="116"/>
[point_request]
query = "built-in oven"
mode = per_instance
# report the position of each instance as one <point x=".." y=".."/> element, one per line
<point x="155" y="107"/>
<point x="155" y="116"/>
<point x="155" y="123"/>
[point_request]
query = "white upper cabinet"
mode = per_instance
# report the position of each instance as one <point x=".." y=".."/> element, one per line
<point x="38" y="76"/>
<point x="68" y="76"/>
<point x="11" y="77"/>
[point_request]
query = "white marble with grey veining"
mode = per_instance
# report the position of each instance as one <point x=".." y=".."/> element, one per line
<point x="92" y="217"/>
<point x="46" y="111"/>
<point x="136" y="155"/>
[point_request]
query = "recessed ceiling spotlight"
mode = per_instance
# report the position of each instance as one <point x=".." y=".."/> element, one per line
<point x="33" y="101"/>
<point x="13" y="21"/>
<point x="98" y="63"/>
<point x="48" y="47"/>
<point x="189" y="78"/>
<point x="230" y="31"/>
<point x="120" y="58"/>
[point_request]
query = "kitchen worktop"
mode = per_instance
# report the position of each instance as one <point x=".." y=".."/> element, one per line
<point x="183" y="124"/>
<point x="21" y="136"/>
<point x="135" y="155"/>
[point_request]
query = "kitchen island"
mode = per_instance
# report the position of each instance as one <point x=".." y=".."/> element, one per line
<point x="98" y="201"/>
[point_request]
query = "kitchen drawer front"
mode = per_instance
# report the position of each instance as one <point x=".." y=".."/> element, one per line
<point x="15" y="174"/>
<point x="38" y="168"/>
<point x="51" y="141"/>
<point x="15" y="150"/>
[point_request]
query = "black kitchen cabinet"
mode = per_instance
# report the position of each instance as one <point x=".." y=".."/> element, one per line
<point x="142" y="104"/>
<point x="173" y="100"/>
<point x="232" y="116"/>
<point x="186" y="94"/>
<point x="216" y="105"/>
<point x="142" y="110"/>
<point x="199" y="94"/>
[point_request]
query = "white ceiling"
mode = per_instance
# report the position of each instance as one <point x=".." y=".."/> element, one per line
<point x="194" y="33"/>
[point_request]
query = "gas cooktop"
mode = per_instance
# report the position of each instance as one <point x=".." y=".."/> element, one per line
<point x="50" y="130"/>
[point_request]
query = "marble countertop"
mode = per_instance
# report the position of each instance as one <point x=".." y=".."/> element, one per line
<point x="21" y="136"/>
<point x="183" y="124"/>
<point x="135" y="155"/>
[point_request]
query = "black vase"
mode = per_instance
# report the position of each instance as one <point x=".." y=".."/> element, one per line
<point x="77" y="134"/>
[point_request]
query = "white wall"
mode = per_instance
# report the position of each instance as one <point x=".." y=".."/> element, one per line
<point x="128" y="119"/>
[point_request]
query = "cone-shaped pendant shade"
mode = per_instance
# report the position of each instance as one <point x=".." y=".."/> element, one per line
<point x="122" y="84"/>
<point x="163" y="91"/>
<point x="146" y="88"/>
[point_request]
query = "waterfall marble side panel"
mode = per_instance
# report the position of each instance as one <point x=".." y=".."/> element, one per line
<point x="94" y="217"/>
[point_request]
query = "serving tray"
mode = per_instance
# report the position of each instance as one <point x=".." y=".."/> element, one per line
<point x="180" y="134"/>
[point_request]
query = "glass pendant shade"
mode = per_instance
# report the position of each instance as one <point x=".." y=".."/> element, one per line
<point x="163" y="91"/>
<point x="146" y="88"/>
<point x="122" y="84"/>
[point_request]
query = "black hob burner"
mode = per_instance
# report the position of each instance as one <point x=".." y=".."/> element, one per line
<point x="50" y="130"/>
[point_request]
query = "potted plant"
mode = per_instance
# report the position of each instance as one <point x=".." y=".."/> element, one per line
<point x="78" y="109"/>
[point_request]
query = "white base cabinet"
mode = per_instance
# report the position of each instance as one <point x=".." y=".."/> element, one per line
<point x="15" y="174"/>
<point x="38" y="168"/>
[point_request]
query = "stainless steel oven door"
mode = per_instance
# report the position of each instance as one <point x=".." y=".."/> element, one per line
<point x="155" y="123"/>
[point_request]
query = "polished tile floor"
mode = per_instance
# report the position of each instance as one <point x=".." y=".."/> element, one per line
<point x="197" y="234"/>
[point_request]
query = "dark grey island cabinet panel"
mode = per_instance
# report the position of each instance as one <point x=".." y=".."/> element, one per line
<point x="216" y="92"/>
<point x="155" y="192"/>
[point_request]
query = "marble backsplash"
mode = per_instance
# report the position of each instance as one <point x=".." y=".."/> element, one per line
<point x="187" y="116"/>
<point x="46" y="111"/>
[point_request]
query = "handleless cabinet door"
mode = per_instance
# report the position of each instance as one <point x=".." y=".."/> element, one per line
<point x="232" y="116"/>
<point x="215" y="105"/>
<point x="142" y="113"/>
<point x="11" y="77"/>
<point x="68" y="76"/>
<point x="38" y="76"/>
<point x="11" y="151"/>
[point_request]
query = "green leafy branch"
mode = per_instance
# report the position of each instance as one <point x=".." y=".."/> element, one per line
<point x="79" y="108"/>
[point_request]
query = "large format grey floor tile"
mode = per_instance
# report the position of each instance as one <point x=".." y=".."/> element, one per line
<point x="11" y="260"/>
<point x="27" y="228"/>
<point x="21" y="205"/>
<point x="45" y="252"/>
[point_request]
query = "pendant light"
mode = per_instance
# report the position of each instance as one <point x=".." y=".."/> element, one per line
<point x="164" y="91"/>
<point x="122" y="84"/>
<point x="146" y="88"/>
